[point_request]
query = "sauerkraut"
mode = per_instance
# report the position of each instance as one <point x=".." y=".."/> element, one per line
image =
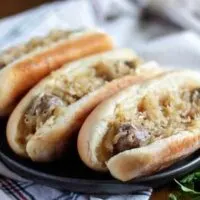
<point x="154" y="118"/>
<point x="71" y="90"/>
<point x="13" y="53"/>
<point x="66" y="90"/>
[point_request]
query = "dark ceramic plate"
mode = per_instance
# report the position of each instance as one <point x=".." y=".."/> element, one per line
<point x="71" y="174"/>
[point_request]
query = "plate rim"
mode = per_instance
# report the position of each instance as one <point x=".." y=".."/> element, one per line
<point x="191" y="164"/>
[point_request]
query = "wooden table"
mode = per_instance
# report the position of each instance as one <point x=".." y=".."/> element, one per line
<point x="10" y="7"/>
<point x="162" y="194"/>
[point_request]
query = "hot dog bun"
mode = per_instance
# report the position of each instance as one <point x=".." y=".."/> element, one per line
<point x="45" y="119"/>
<point x="145" y="127"/>
<point x="23" y="66"/>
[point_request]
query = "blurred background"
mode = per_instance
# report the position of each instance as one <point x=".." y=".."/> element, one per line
<point x="163" y="30"/>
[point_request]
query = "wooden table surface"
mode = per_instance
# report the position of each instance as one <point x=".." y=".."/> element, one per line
<point x="161" y="194"/>
<point x="11" y="7"/>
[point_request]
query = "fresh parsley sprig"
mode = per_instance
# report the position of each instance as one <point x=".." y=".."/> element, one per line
<point x="188" y="187"/>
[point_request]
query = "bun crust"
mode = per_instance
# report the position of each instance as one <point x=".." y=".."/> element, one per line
<point x="18" y="77"/>
<point x="50" y="141"/>
<point x="147" y="159"/>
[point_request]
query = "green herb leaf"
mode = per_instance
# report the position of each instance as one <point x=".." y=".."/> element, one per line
<point x="188" y="178"/>
<point x="186" y="189"/>
<point x="172" y="197"/>
<point x="191" y="177"/>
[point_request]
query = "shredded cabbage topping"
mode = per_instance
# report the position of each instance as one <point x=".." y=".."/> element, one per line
<point x="68" y="90"/>
<point x="13" y="53"/>
<point x="155" y="117"/>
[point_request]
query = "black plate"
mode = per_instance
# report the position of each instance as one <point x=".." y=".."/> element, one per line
<point x="71" y="174"/>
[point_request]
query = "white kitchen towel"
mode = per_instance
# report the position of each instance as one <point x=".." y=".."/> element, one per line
<point x="153" y="39"/>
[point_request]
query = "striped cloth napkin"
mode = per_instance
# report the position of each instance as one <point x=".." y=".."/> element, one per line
<point x="20" y="28"/>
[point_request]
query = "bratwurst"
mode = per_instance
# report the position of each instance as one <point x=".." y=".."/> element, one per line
<point x="145" y="127"/>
